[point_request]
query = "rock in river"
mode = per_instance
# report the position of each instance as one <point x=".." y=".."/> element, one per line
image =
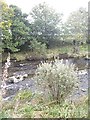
<point x="16" y="79"/>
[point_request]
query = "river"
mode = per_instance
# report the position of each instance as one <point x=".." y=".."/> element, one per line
<point x="29" y="67"/>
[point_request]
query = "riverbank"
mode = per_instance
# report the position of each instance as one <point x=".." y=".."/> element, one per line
<point x="62" y="52"/>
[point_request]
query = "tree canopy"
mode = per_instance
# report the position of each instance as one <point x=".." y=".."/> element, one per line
<point x="76" y="26"/>
<point x="15" y="27"/>
<point x="5" y="25"/>
<point x="20" y="27"/>
<point x="45" y="26"/>
<point x="46" y="23"/>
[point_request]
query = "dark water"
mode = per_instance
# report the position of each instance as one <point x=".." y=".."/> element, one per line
<point x="29" y="67"/>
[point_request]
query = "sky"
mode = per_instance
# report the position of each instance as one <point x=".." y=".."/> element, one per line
<point x="61" y="6"/>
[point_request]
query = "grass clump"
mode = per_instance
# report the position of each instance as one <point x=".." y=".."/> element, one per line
<point x="24" y="95"/>
<point x="67" y="110"/>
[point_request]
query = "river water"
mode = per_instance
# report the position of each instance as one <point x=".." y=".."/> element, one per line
<point x="29" y="67"/>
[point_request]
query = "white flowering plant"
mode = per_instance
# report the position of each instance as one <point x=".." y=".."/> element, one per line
<point x="57" y="77"/>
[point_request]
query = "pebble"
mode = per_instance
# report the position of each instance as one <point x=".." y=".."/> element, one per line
<point x="83" y="90"/>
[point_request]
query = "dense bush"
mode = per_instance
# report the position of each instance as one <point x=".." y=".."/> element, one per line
<point x="57" y="77"/>
<point x="38" y="47"/>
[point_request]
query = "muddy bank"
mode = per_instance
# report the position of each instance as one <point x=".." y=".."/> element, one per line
<point x="53" y="57"/>
<point x="48" y="56"/>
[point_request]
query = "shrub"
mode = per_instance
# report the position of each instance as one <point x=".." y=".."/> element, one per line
<point x="57" y="77"/>
<point x="38" y="47"/>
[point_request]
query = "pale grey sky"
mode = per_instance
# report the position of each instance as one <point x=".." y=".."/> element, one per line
<point x="62" y="6"/>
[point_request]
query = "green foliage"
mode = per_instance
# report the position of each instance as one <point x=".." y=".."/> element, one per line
<point x="19" y="28"/>
<point x="15" y="27"/>
<point x="64" y="111"/>
<point x="3" y="115"/>
<point x="45" y="23"/>
<point x="38" y="47"/>
<point x="26" y="111"/>
<point x="24" y="95"/>
<point x="57" y="77"/>
<point x="5" y="24"/>
<point x="67" y="110"/>
<point x="43" y="109"/>
<point x="46" y="27"/>
<point x="76" y="26"/>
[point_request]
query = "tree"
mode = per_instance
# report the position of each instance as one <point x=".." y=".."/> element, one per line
<point x="5" y="24"/>
<point x="20" y="27"/>
<point x="15" y="27"/>
<point x="46" y="23"/>
<point x="76" y="26"/>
